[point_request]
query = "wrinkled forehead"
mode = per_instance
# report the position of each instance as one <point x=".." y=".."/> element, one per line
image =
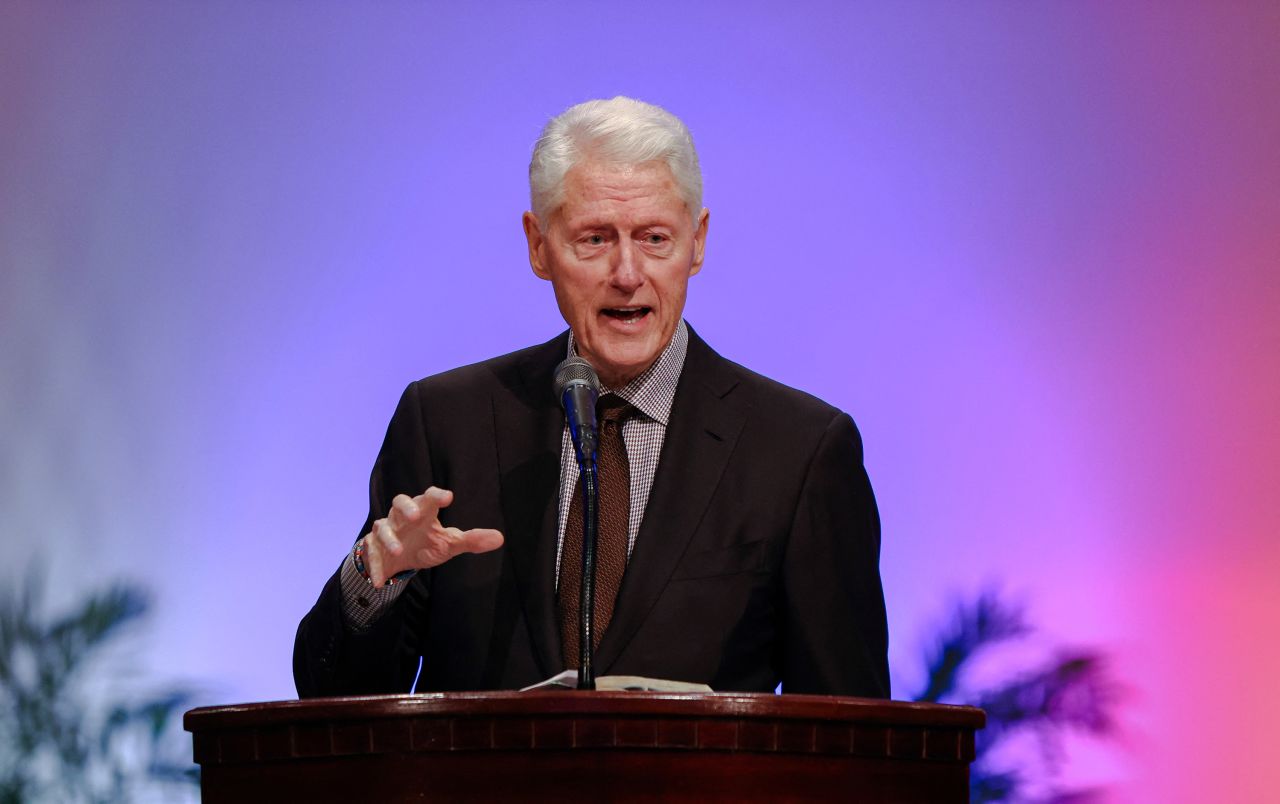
<point x="599" y="187"/>
<point x="594" y="177"/>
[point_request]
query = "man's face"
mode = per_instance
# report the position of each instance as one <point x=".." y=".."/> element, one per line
<point x="619" y="252"/>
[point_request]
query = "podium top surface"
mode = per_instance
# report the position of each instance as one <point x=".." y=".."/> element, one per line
<point x="574" y="702"/>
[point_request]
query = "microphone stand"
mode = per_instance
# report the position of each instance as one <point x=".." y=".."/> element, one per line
<point x="578" y="388"/>
<point x="587" y="596"/>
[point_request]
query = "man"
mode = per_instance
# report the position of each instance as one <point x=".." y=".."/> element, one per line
<point x="740" y="528"/>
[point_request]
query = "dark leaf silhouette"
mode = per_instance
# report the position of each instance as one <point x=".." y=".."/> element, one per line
<point x="1070" y="690"/>
<point x="984" y="621"/>
<point x="77" y="733"/>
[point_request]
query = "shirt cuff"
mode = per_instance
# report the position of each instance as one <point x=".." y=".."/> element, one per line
<point x="362" y="605"/>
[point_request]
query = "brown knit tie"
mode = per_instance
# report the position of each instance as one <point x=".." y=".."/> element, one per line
<point x="611" y="537"/>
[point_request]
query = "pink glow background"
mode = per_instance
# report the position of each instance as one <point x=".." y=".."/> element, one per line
<point x="1033" y="248"/>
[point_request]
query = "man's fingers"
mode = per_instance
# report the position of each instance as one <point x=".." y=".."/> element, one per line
<point x="420" y="516"/>
<point x="404" y="510"/>
<point x="477" y="540"/>
<point x="432" y="500"/>
<point x="387" y="538"/>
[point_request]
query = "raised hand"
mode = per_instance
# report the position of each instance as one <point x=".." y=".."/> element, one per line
<point x="411" y="537"/>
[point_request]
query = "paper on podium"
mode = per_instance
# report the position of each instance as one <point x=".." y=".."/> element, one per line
<point x="568" y="680"/>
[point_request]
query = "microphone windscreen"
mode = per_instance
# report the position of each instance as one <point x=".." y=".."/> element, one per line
<point x="572" y="371"/>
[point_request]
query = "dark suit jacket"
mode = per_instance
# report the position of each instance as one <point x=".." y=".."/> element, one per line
<point x="757" y="561"/>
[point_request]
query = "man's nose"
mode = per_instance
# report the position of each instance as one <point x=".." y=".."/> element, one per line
<point x="627" y="274"/>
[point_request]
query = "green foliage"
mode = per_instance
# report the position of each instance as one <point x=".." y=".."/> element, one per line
<point x="1069" y="690"/>
<point x="74" y="733"/>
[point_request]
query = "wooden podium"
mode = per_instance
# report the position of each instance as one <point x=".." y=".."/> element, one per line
<point x="569" y="746"/>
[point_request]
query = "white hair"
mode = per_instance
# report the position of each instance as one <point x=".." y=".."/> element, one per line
<point x="621" y="131"/>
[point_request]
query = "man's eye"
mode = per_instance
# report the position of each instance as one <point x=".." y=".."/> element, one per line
<point x="595" y="240"/>
<point x="657" y="239"/>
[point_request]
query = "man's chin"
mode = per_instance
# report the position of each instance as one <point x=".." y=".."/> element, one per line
<point x="618" y="360"/>
<point x="617" y="370"/>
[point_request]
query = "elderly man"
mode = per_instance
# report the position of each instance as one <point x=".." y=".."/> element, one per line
<point x="739" y="539"/>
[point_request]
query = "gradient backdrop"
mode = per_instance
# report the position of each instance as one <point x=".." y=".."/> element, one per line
<point x="1033" y="248"/>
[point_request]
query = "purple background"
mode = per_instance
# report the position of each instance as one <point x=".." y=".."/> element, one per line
<point x="1033" y="248"/>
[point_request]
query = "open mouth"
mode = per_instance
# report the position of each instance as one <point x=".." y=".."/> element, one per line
<point x="627" y="315"/>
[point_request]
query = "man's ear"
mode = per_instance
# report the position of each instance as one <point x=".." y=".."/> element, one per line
<point x="533" y="233"/>
<point x="700" y="240"/>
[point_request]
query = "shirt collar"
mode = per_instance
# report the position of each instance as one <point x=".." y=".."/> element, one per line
<point x="654" y="390"/>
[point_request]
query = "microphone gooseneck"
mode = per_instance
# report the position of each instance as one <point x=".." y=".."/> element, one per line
<point x="577" y="389"/>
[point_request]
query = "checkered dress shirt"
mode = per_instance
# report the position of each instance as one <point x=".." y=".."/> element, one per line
<point x="643" y="433"/>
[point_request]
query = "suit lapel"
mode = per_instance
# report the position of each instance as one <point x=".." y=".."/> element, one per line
<point x="700" y="438"/>
<point x="528" y="425"/>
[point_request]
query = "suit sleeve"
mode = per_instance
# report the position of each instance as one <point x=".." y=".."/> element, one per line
<point x="835" y="632"/>
<point x="331" y="658"/>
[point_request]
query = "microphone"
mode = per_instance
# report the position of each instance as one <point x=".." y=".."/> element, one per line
<point x="577" y="388"/>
